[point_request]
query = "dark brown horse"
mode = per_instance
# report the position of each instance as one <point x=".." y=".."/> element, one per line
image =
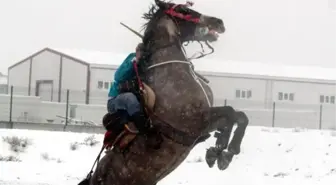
<point x="183" y="108"/>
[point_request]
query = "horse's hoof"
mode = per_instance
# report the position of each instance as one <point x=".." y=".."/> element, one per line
<point x="211" y="156"/>
<point x="224" y="160"/>
<point x="234" y="149"/>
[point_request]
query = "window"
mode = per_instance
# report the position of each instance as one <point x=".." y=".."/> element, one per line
<point x="321" y="99"/>
<point x="291" y="96"/>
<point x="327" y="99"/>
<point x="237" y="93"/>
<point x="243" y="94"/>
<point x="249" y="94"/>
<point x="103" y="85"/>
<point x="280" y="96"/>
<point x="284" y="96"/>
<point x="100" y="84"/>
<point x="106" y="85"/>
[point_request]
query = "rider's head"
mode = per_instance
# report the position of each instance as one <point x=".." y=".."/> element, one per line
<point x="138" y="50"/>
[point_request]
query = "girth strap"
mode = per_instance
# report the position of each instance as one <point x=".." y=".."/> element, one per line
<point x="176" y="135"/>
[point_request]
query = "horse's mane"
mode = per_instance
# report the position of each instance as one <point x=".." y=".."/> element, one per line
<point x="152" y="17"/>
<point x="148" y="16"/>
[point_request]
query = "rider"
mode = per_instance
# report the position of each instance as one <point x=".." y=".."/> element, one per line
<point x="122" y="99"/>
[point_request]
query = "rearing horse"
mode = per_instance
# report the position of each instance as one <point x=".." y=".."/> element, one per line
<point x="183" y="103"/>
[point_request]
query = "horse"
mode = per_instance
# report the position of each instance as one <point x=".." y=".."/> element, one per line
<point x="183" y="112"/>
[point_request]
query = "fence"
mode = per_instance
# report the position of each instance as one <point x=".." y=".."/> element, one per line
<point x="52" y="127"/>
<point x="17" y="109"/>
<point x="70" y="108"/>
<point x="47" y="92"/>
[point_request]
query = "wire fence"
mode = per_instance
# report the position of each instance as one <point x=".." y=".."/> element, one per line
<point x="66" y="108"/>
<point x="52" y="106"/>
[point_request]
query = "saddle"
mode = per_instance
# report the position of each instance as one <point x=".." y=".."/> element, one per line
<point x="124" y="133"/>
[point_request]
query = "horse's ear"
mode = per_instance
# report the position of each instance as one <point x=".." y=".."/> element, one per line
<point x="161" y="4"/>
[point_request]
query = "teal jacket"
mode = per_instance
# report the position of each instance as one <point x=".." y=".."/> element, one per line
<point x="124" y="72"/>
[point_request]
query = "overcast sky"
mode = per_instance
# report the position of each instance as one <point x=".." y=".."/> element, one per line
<point x="297" y="32"/>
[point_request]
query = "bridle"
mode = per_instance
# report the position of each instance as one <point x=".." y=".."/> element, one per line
<point x="187" y="17"/>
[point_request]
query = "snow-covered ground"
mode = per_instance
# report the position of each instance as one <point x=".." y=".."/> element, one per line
<point x="270" y="156"/>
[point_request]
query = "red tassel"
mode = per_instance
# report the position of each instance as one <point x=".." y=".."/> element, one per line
<point x="137" y="75"/>
<point x="107" y="138"/>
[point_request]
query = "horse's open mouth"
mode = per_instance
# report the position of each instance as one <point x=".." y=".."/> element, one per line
<point x="214" y="33"/>
<point x="212" y="36"/>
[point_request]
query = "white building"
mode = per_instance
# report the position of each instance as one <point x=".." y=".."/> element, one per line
<point x="249" y="83"/>
<point x="50" y="73"/>
<point x="3" y="84"/>
<point x="88" y="75"/>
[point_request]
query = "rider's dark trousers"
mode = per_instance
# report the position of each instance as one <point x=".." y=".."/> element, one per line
<point x="126" y="101"/>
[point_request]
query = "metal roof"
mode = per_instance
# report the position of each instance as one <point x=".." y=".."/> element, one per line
<point x="265" y="69"/>
<point x="216" y="66"/>
<point x="94" y="57"/>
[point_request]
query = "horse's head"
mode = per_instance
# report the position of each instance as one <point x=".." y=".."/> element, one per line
<point x="183" y="23"/>
<point x="180" y="21"/>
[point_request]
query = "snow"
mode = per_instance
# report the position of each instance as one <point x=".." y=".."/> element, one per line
<point x="269" y="156"/>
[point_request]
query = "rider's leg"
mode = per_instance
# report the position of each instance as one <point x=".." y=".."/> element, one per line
<point x="113" y="107"/>
<point x="129" y="102"/>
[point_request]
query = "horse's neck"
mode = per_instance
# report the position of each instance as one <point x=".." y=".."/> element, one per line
<point x="172" y="53"/>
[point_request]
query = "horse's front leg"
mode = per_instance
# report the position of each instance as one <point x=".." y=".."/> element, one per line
<point x="222" y="119"/>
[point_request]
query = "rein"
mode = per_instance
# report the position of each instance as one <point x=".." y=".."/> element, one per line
<point x="202" y="53"/>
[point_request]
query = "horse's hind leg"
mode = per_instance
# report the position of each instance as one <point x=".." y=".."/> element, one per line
<point x="222" y="119"/>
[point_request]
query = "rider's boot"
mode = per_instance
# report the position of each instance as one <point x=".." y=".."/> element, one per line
<point x="140" y="121"/>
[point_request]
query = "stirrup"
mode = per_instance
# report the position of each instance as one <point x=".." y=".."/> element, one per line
<point x="130" y="127"/>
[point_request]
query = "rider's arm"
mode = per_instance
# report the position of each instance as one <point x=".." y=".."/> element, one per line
<point x="125" y="68"/>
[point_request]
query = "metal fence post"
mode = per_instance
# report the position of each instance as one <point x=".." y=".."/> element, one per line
<point x="66" y="109"/>
<point x="320" y="120"/>
<point x="273" y="116"/>
<point x="225" y="102"/>
<point x="11" y="106"/>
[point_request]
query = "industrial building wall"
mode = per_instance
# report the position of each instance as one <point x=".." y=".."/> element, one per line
<point x="100" y="81"/>
<point x="18" y="76"/>
<point x="261" y="93"/>
<point x="303" y="93"/>
<point x="74" y="77"/>
<point x="245" y="92"/>
<point x="48" y="75"/>
<point x="240" y="92"/>
<point x="45" y="76"/>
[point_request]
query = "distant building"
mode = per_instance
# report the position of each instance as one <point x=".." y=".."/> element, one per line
<point x="88" y="75"/>
<point x="3" y="84"/>
<point x="49" y="73"/>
